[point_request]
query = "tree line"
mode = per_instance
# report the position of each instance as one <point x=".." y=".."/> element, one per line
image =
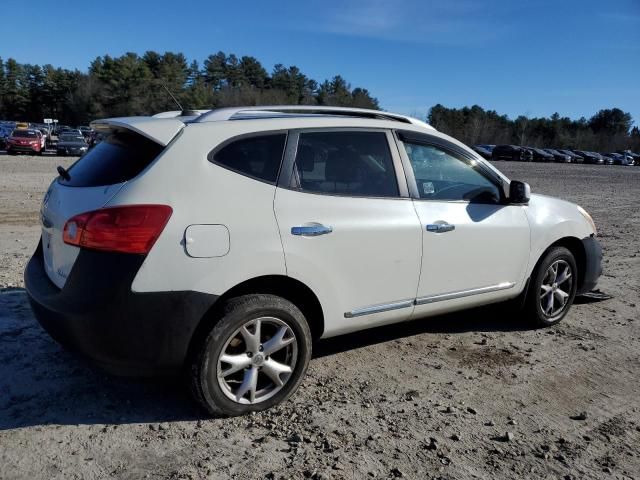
<point x="606" y="131"/>
<point x="133" y="85"/>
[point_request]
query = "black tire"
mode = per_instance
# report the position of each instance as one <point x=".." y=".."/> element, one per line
<point x="235" y="313"/>
<point x="533" y="305"/>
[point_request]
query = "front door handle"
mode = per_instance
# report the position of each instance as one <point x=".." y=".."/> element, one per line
<point x="440" y="227"/>
<point x="311" y="230"/>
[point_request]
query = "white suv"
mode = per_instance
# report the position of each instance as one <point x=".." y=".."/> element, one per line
<point x="222" y="243"/>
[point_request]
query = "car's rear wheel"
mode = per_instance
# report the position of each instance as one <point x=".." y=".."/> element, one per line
<point x="254" y="357"/>
<point x="552" y="288"/>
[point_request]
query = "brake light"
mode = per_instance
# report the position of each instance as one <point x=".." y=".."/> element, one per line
<point x="128" y="229"/>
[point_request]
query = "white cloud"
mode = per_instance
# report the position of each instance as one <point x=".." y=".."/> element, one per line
<point x="427" y="21"/>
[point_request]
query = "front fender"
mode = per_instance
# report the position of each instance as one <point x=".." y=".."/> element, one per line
<point x="552" y="219"/>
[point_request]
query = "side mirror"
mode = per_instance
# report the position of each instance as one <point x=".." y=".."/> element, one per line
<point x="519" y="192"/>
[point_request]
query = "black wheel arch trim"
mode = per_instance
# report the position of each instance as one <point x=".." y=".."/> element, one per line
<point x="97" y="314"/>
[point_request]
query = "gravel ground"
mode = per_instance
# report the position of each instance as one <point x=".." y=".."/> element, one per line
<point x="471" y="395"/>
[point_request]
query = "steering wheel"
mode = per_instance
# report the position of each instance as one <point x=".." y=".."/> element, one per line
<point x="449" y="187"/>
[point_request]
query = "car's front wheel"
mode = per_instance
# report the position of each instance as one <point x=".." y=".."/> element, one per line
<point x="254" y="357"/>
<point x="552" y="288"/>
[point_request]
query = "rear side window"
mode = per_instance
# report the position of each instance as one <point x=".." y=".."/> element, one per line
<point x="118" y="158"/>
<point x="257" y="156"/>
<point x="345" y="163"/>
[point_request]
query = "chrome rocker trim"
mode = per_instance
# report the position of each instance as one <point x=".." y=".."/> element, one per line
<point x="385" y="307"/>
<point x="464" y="293"/>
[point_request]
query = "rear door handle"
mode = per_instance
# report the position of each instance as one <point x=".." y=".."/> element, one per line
<point x="440" y="227"/>
<point x="311" y="230"/>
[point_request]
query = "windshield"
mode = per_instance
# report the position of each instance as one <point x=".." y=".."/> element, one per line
<point x="24" y="134"/>
<point x="71" y="138"/>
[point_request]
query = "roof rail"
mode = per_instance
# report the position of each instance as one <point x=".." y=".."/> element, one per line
<point x="262" y="111"/>
<point x="180" y="113"/>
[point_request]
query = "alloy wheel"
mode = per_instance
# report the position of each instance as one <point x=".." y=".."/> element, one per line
<point x="257" y="360"/>
<point x="556" y="288"/>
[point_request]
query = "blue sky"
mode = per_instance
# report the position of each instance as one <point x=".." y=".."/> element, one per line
<point x="515" y="56"/>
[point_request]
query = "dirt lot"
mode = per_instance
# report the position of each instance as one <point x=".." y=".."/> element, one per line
<point x="471" y="395"/>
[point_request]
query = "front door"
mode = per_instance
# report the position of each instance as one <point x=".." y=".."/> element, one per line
<point x="475" y="245"/>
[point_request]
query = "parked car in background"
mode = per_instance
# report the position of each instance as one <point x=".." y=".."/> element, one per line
<point x="634" y="157"/>
<point x="590" y="157"/>
<point x="539" y="155"/>
<point x="509" y="152"/>
<point x="95" y="139"/>
<point x="85" y="131"/>
<point x="601" y="157"/>
<point x="488" y="147"/>
<point x="575" y="158"/>
<point x="608" y="159"/>
<point x="71" y="144"/>
<point x="64" y="129"/>
<point x="25" y="141"/>
<point x="71" y="131"/>
<point x="558" y="156"/>
<point x="44" y="132"/>
<point x="483" y="151"/>
<point x="621" y="159"/>
<point x="163" y="249"/>
<point x="5" y="132"/>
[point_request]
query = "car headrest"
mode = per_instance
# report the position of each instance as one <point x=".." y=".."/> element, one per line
<point x="306" y="158"/>
<point x="342" y="166"/>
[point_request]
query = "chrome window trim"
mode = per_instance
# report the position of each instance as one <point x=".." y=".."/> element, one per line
<point x="384" y="307"/>
<point x="463" y="293"/>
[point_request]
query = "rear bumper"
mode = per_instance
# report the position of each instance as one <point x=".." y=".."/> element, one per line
<point x="593" y="264"/>
<point x="98" y="315"/>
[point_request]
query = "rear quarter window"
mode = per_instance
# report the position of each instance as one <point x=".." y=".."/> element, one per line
<point x="119" y="157"/>
<point x="256" y="156"/>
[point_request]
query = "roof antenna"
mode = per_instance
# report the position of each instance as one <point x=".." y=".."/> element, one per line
<point x="183" y="113"/>
<point x="172" y="97"/>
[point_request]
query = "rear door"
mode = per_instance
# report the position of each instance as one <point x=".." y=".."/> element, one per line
<point x="94" y="180"/>
<point x="475" y="245"/>
<point x="348" y="228"/>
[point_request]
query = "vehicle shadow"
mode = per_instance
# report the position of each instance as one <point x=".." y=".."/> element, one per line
<point x="42" y="384"/>
<point x="492" y="318"/>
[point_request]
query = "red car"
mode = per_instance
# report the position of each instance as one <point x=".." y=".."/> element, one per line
<point x="29" y="141"/>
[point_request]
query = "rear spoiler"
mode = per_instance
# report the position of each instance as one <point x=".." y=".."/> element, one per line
<point x="159" y="130"/>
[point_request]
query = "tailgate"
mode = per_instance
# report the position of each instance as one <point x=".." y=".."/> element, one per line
<point x="59" y="205"/>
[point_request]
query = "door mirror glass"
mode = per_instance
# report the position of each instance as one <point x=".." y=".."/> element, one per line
<point x="519" y="192"/>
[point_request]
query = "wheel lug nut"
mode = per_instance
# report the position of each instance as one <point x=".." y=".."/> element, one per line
<point x="261" y="348"/>
<point x="249" y="354"/>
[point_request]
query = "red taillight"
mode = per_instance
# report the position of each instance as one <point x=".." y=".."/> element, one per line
<point x="129" y="229"/>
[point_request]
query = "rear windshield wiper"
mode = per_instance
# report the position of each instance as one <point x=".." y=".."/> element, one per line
<point x="63" y="172"/>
